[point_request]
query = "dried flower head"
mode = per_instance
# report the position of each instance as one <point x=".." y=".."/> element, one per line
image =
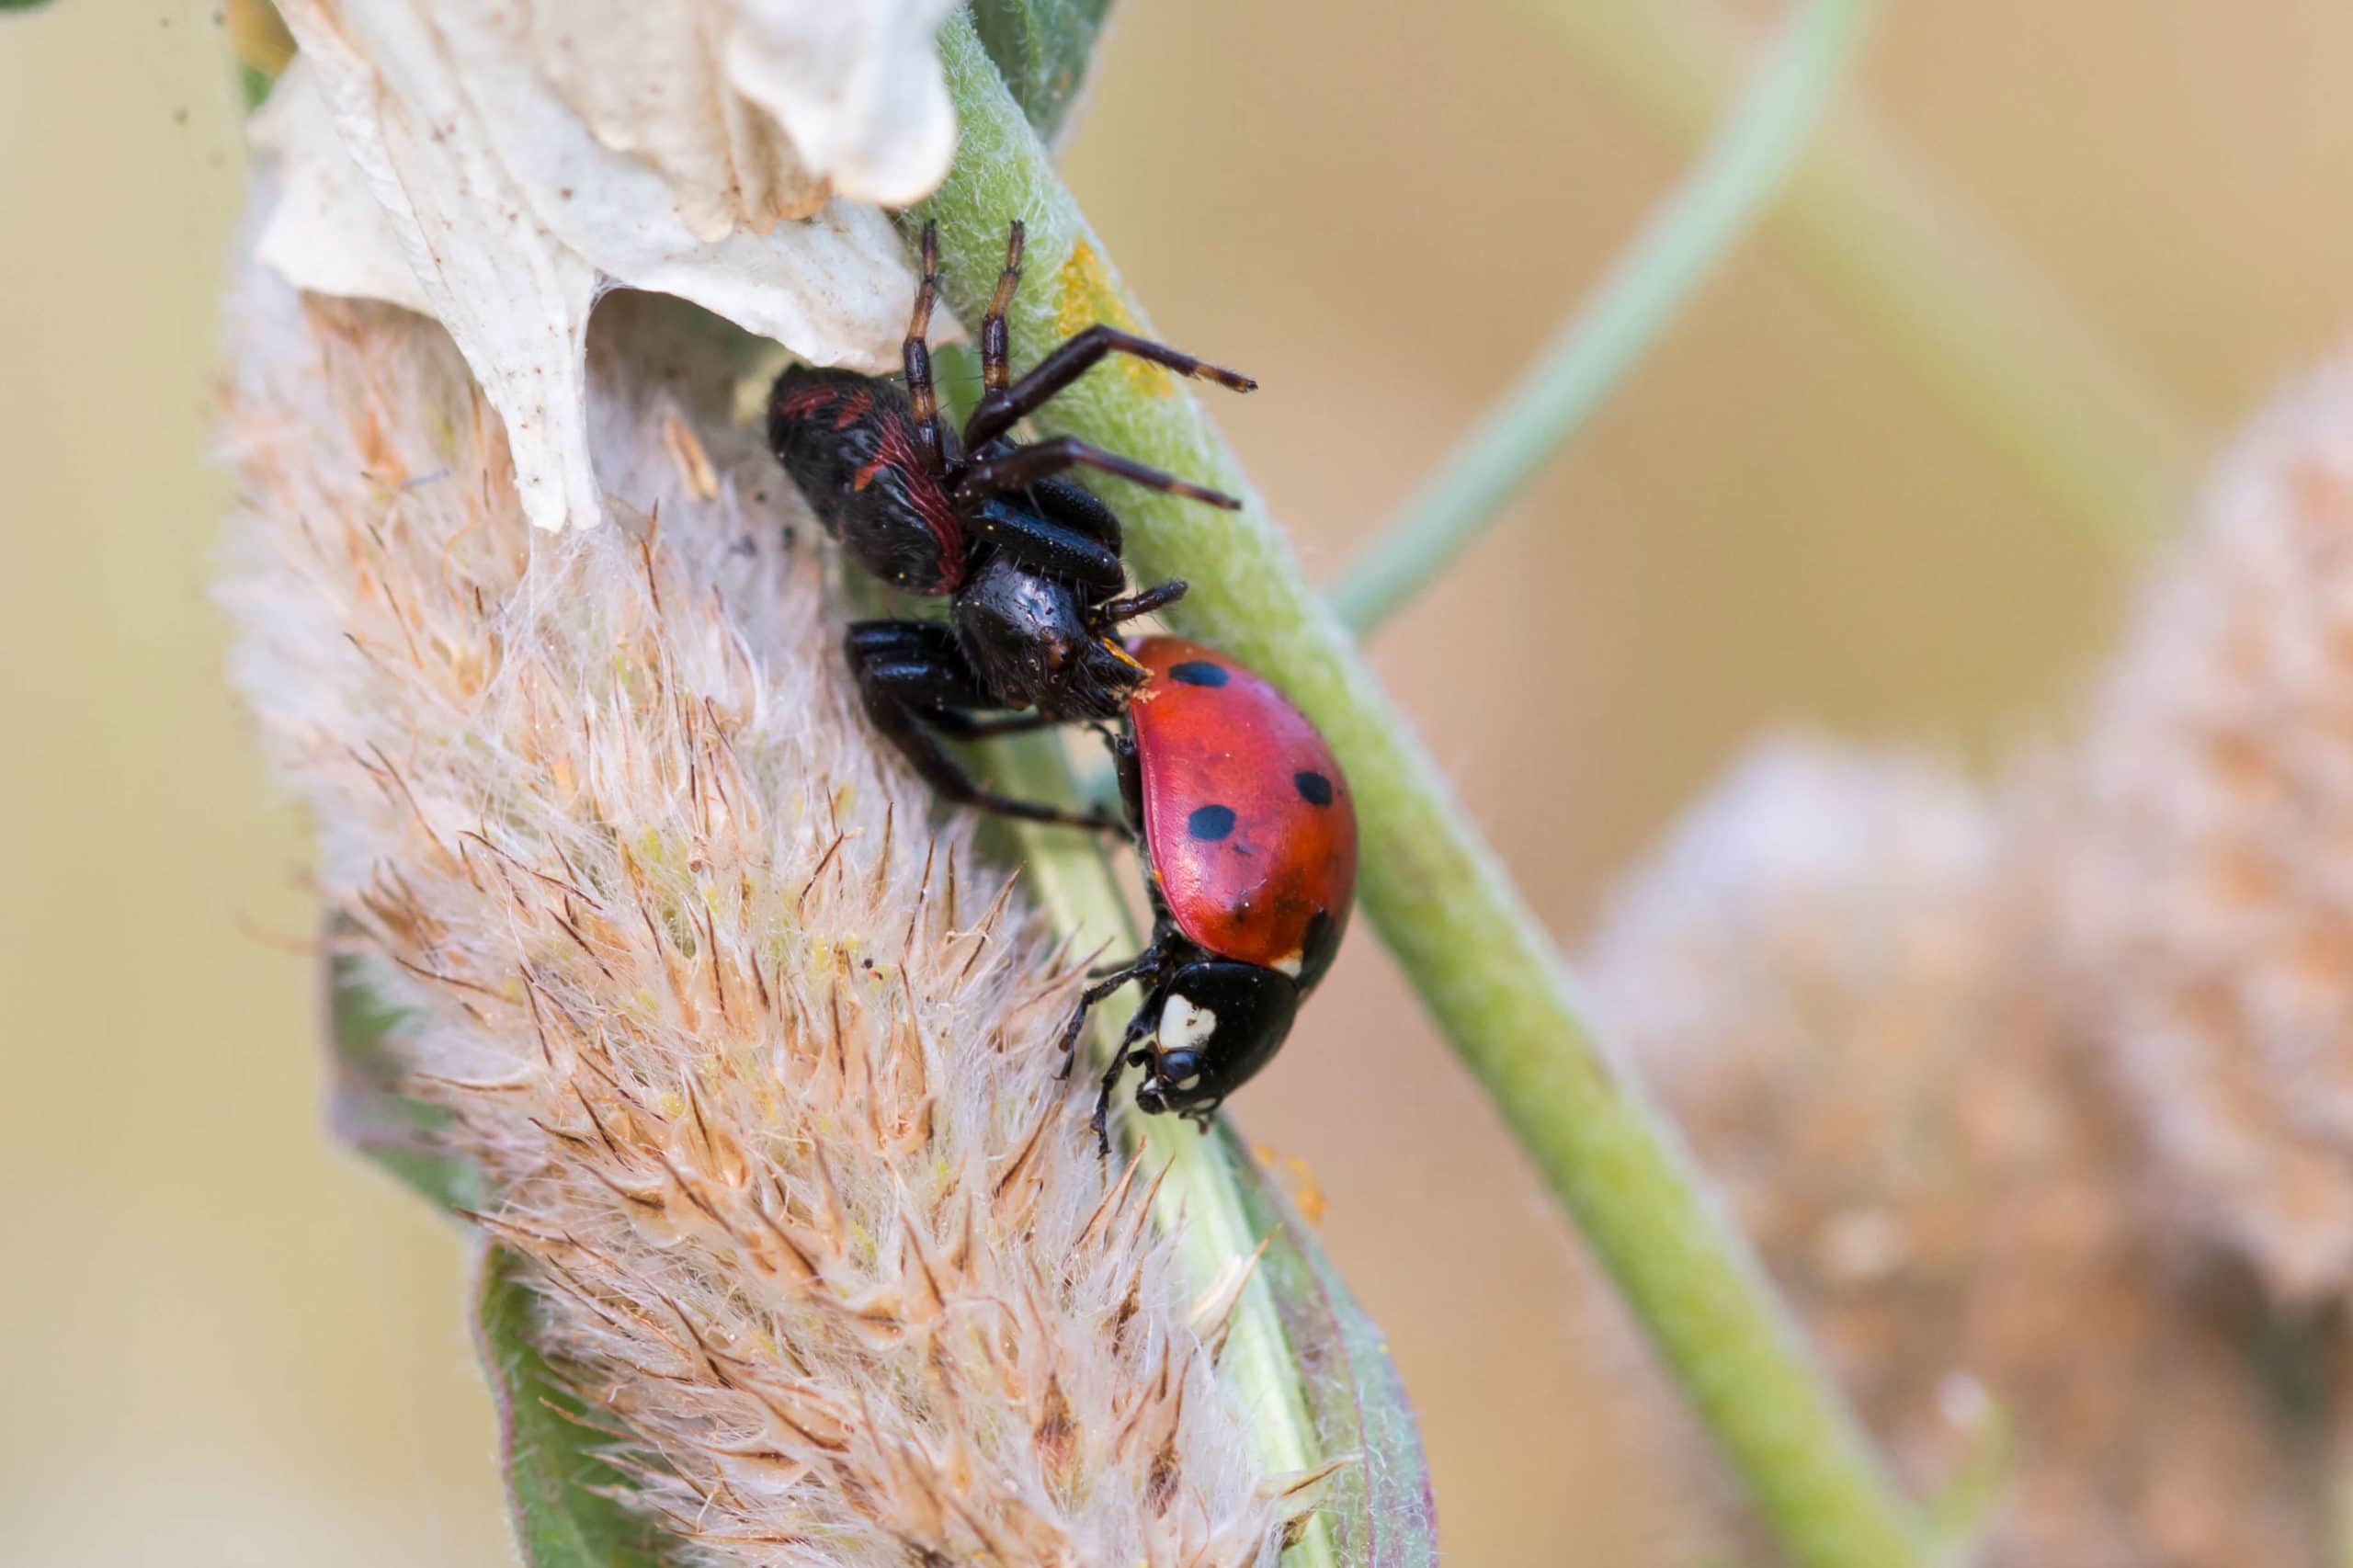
<point x="760" y="1070"/>
<point x="2207" y="909"/>
<point x="499" y="166"/>
<point x="1828" y="972"/>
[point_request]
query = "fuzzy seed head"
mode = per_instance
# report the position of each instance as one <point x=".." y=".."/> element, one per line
<point x="2208" y="887"/>
<point x="1829" y="974"/>
<point x="759" y="1066"/>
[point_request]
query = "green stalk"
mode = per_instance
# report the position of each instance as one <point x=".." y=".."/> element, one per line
<point x="1962" y="309"/>
<point x="1477" y="956"/>
<point x="1686" y="240"/>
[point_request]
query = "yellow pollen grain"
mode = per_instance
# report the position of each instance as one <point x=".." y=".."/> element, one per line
<point x="1085" y="296"/>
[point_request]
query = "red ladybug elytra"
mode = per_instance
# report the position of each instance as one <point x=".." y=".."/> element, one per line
<point x="1250" y="845"/>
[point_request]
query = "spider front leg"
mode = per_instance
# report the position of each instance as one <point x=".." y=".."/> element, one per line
<point x="1016" y="468"/>
<point x="996" y="363"/>
<point x="1134" y="607"/>
<point x="1002" y="407"/>
<point x="915" y="352"/>
<point x="915" y="685"/>
<point x="1048" y="548"/>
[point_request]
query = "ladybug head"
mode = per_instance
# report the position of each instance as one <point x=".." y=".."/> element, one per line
<point x="1216" y="1022"/>
<point x="1034" y="642"/>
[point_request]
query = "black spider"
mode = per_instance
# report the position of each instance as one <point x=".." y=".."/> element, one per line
<point x="1029" y="560"/>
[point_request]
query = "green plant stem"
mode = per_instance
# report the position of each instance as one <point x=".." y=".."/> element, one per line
<point x="1477" y="956"/>
<point x="1687" y="238"/>
<point x="1951" y="298"/>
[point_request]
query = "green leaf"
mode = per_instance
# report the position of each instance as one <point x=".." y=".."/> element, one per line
<point x="557" y="1486"/>
<point x="1042" y="48"/>
<point x="366" y="1108"/>
<point x="1380" y="1507"/>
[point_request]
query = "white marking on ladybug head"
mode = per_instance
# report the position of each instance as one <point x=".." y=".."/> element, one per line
<point x="1289" y="964"/>
<point x="1184" y="1026"/>
<point x="1187" y="1084"/>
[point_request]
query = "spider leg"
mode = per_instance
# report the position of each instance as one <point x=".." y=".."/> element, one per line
<point x="996" y="369"/>
<point x="1111" y="612"/>
<point x="1002" y="407"/>
<point x="915" y="352"/>
<point x="913" y="683"/>
<point x="1019" y="468"/>
<point x="1048" y="548"/>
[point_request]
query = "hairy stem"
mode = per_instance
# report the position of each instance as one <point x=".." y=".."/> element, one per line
<point x="1479" y="959"/>
<point x="1687" y="238"/>
<point x="1949" y="295"/>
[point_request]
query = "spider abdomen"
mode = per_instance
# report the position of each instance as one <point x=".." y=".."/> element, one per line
<point x="848" y="443"/>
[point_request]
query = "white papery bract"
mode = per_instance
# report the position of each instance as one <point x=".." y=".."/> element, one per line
<point x="500" y="167"/>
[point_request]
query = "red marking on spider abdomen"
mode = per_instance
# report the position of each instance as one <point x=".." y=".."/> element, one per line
<point x="895" y="452"/>
<point x="1248" y="820"/>
<point x="803" y="400"/>
<point x="857" y="404"/>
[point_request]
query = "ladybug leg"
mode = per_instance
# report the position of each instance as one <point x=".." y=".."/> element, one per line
<point x="1101" y="1120"/>
<point x="1021" y="468"/>
<point x="1003" y="407"/>
<point x="1130" y="772"/>
<point x="1141" y="1027"/>
<point x="915" y="354"/>
<point x="1145" y="965"/>
<point x="910" y="679"/>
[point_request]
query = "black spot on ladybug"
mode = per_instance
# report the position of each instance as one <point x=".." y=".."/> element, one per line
<point x="1198" y="671"/>
<point x="1313" y="786"/>
<point x="1210" y="822"/>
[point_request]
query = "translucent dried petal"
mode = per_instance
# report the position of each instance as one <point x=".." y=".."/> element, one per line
<point x="514" y="298"/>
<point x="651" y="80"/>
<point x="326" y="232"/>
<point x="858" y="87"/>
<point x="832" y="287"/>
<point x="525" y="160"/>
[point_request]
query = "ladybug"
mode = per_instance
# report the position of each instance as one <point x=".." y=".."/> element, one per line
<point x="1249" y="838"/>
<point x="1029" y="561"/>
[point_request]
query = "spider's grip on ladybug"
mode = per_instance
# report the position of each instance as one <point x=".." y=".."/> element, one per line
<point x="1246" y="823"/>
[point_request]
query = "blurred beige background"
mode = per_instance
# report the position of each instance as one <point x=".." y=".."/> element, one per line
<point x="223" y="1343"/>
